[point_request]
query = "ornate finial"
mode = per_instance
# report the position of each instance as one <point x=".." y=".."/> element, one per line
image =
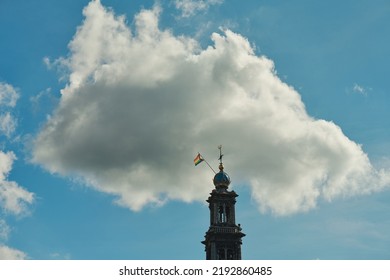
<point x="221" y="179"/>
<point x="220" y="157"/>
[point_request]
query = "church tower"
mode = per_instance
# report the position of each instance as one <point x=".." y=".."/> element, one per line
<point x="223" y="239"/>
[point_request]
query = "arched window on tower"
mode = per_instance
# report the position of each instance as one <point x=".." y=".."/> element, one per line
<point x="227" y="214"/>
<point x="221" y="214"/>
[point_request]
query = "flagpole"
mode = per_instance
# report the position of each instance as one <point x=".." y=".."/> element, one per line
<point x="208" y="164"/>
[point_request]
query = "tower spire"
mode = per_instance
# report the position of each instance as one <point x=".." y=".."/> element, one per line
<point x="223" y="239"/>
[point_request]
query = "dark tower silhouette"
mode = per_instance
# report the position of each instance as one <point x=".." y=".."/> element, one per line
<point x="223" y="239"/>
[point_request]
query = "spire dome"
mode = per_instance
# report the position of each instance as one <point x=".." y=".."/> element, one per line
<point x="221" y="179"/>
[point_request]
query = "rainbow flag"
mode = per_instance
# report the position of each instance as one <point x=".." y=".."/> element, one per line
<point x="198" y="159"/>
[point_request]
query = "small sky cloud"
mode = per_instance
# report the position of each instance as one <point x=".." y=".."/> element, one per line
<point x="43" y="101"/>
<point x="8" y="95"/>
<point x="7" y="124"/>
<point x="4" y="230"/>
<point x="190" y="7"/>
<point x="47" y="62"/>
<point x="361" y="89"/>
<point x="7" y="253"/>
<point x="13" y="198"/>
<point x="139" y="105"/>
<point x="8" y="98"/>
<point x="60" y="256"/>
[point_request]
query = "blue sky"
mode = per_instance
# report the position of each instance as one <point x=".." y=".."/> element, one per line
<point x="103" y="111"/>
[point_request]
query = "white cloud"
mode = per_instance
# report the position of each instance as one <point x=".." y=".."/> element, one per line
<point x="7" y="253"/>
<point x="13" y="198"/>
<point x="8" y="98"/>
<point x="7" y="124"/>
<point x="4" y="230"/>
<point x="139" y="105"/>
<point x="360" y="89"/>
<point x="44" y="101"/>
<point x="190" y="7"/>
<point x="8" y="95"/>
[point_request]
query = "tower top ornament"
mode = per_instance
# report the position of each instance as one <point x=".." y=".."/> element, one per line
<point x="220" y="157"/>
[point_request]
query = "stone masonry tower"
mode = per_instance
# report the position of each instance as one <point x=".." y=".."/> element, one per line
<point x="223" y="239"/>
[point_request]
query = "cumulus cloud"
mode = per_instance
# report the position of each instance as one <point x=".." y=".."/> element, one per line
<point x="190" y="7"/>
<point x="140" y="104"/>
